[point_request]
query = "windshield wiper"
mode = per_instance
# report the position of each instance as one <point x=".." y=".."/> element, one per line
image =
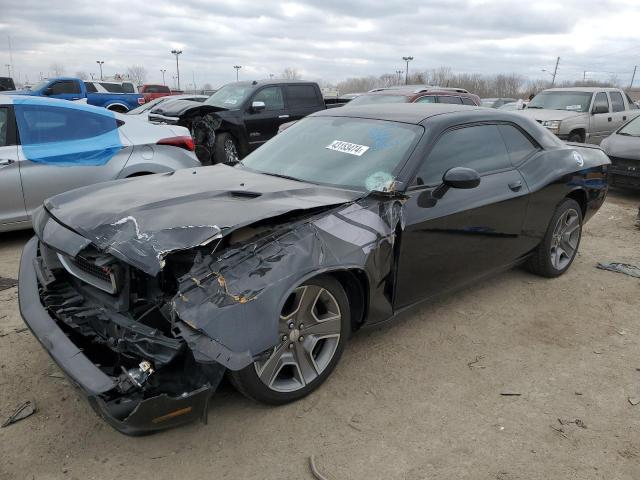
<point x="627" y="134"/>
<point x="286" y="177"/>
<point x="535" y="106"/>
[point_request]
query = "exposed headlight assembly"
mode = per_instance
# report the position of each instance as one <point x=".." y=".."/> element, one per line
<point x="551" y="124"/>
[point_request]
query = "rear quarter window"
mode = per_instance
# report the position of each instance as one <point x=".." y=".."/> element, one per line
<point x="518" y="144"/>
<point x="303" y="96"/>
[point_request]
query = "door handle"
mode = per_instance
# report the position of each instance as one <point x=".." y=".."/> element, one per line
<point x="515" y="186"/>
<point x="624" y="118"/>
<point x="6" y="162"/>
<point x="609" y="119"/>
<point x="283" y="116"/>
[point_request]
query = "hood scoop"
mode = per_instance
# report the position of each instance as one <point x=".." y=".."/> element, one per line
<point x="244" y="194"/>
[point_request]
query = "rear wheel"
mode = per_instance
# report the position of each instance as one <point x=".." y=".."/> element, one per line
<point x="313" y="329"/>
<point x="556" y="252"/>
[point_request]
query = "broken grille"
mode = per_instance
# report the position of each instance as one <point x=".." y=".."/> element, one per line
<point x="101" y="277"/>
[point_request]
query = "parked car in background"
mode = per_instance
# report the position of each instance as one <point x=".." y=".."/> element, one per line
<point x="241" y="116"/>
<point x="153" y="91"/>
<point x="517" y="105"/>
<point x="623" y="148"/>
<point x="416" y="94"/>
<point x="262" y="271"/>
<point x="50" y="146"/>
<point x="6" y="83"/>
<point x="496" y="102"/>
<point x="143" y="110"/>
<point x="581" y="114"/>
<point x="67" y="88"/>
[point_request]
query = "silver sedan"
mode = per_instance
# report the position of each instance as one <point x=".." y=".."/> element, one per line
<point x="50" y="146"/>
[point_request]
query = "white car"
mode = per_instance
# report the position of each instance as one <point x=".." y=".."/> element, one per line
<point x="49" y="146"/>
<point x="143" y="110"/>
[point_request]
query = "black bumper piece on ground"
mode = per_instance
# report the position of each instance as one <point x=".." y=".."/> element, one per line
<point x="148" y="415"/>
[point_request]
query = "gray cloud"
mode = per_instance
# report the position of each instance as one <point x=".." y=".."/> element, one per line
<point x="331" y="40"/>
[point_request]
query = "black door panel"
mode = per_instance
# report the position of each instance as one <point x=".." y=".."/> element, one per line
<point x="465" y="235"/>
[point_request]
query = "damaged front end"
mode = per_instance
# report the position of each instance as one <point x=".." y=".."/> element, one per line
<point x="145" y="308"/>
<point x="117" y="346"/>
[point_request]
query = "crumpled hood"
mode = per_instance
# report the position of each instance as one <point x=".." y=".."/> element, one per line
<point x="175" y="108"/>
<point x="543" y="114"/>
<point x="141" y="220"/>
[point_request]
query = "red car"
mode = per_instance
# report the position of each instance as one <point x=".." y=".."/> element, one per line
<point x="151" y="92"/>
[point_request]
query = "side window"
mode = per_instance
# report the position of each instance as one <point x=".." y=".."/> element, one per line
<point x="272" y="98"/>
<point x="4" y="126"/>
<point x="45" y="124"/>
<point x="617" y="103"/>
<point x="64" y="86"/>
<point x="601" y="99"/>
<point x="303" y="96"/>
<point x="112" y="87"/>
<point x="468" y="101"/>
<point x="450" y="99"/>
<point x="632" y="105"/>
<point x="479" y="147"/>
<point x="426" y="99"/>
<point x="518" y="145"/>
<point x="91" y="88"/>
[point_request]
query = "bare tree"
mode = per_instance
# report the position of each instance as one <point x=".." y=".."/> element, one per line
<point x="290" y="74"/>
<point x="137" y="74"/>
<point x="207" y="86"/>
<point x="81" y="75"/>
<point x="57" y="69"/>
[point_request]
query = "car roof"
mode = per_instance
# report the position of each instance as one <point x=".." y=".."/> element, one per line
<point x="414" y="90"/>
<point x="414" y="113"/>
<point x="272" y="81"/>
<point x="582" y="89"/>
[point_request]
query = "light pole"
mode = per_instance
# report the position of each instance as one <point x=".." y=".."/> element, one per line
<point x="91" y="75"/>
<point x="406" y="72"/>
<point x="237" y="67"/>
<point x="176" y="53"/>
<point x="163" y="71"/>
<point x="399" y="73"/>
<point x="100" y="62"/>
<point x="8" y="65"/>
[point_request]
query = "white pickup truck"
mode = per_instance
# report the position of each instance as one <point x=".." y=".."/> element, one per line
<point x="582" y="114"/>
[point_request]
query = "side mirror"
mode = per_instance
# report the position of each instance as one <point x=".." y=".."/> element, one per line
<point x="461" y="177"/>
<point x="599" y="109"/>
<point x="456" y="177"/>
<point x="258" y="106"/>
<point x="47" y="91"/>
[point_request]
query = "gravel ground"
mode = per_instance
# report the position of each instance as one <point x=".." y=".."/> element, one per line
<point x="419" y="399"/>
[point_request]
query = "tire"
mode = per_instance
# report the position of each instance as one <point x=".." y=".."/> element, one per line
<point x="226" y="149"/>
<point x="575" y="137"/>
<point x="563" y="235"/>
<point x="303" y="359"/>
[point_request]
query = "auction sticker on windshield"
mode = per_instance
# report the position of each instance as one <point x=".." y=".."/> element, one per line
<point x="346" y="147"/>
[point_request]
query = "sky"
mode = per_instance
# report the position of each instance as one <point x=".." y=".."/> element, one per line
<point x="327" y="40"/>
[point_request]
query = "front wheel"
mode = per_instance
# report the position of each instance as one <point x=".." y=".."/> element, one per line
<point x="558" y="249"/>
<point x="226" y="149"/>
<point x="314" y="327"/>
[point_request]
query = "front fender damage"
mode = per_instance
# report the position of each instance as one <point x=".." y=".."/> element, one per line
<point x="228" y="303"/>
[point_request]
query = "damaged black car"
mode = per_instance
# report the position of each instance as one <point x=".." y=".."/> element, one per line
<point x="147" y="291"/>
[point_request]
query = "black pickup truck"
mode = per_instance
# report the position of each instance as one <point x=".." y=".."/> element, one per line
<point x="241" y="116"/>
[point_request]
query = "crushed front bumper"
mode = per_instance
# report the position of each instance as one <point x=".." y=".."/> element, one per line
<point x="132" y="416"/>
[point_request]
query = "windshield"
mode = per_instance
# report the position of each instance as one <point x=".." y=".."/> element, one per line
<point x="488" y="102"/>
<point x="376" y="99"/>
<point x="230" y="96"/>
<point x="353" y="153"/>
<point x="631" y="129"/>
<point x="40" y="85"/>
<point x="571" y="101"/>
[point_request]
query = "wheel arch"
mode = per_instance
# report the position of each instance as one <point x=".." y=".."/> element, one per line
<point x="355" y="282"/>
<point x="580" y="196"/>
<point x="580" y="131"/>
<point x="117" y="107"/>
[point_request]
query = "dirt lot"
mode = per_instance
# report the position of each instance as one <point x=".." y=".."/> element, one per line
<point x="405" y="402"/>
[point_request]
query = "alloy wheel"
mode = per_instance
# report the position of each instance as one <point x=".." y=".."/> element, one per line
<point x="309" y="330"/>
<point x="230" y="151"/>
<point x="565" y="239"/>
